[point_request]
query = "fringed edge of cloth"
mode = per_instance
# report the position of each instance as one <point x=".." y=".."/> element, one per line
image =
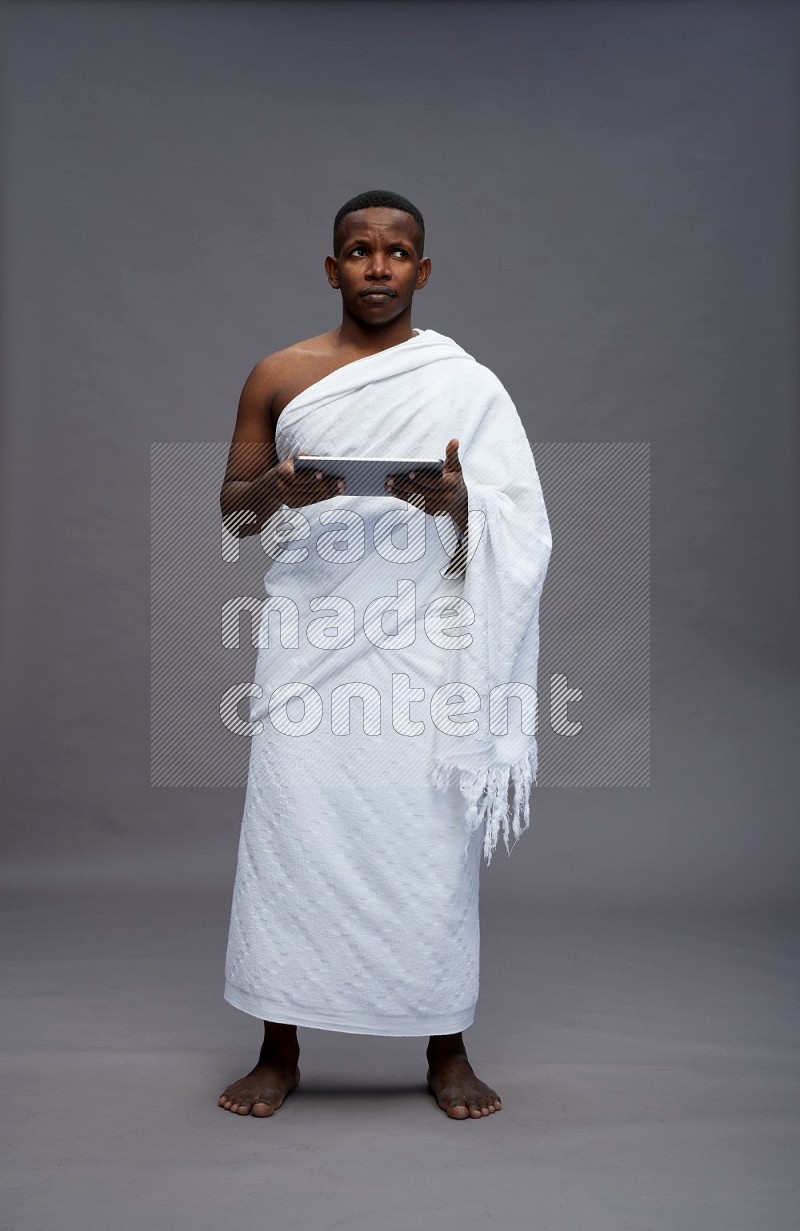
<point x="487" y="794"/>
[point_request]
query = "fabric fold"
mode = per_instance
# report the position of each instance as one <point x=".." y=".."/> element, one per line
<point x="508" y="551"/>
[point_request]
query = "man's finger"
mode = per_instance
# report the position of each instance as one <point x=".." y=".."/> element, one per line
<point x="420" y="480"/>
<point x="451" y="458"/>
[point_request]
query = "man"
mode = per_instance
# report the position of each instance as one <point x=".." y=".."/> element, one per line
<point x="356" y="898"/>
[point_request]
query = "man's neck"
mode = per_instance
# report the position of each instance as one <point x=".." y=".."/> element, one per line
<point x="354" y="336"/>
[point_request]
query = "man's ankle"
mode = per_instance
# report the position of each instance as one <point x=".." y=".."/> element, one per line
<point x="280" y="1041"/>
<point x="441" y="1045"/>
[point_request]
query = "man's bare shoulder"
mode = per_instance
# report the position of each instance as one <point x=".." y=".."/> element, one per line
<point x="288" y="372"/>
<point x="298" y="354"/>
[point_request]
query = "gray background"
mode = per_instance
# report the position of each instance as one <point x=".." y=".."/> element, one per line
<point x="610" y="191"/>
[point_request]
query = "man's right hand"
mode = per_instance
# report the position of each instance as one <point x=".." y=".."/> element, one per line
<point x="297" y="490"/>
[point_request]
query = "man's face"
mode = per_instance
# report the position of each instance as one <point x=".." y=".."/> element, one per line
<point x="379" y="265"/>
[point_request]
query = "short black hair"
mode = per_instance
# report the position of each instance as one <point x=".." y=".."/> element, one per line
<point x="379" y="198"/>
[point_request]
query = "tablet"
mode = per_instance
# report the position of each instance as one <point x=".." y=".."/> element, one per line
<point x="366" y="476"/>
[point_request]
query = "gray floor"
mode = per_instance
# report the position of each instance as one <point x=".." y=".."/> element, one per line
<point x="647" y="1063"/>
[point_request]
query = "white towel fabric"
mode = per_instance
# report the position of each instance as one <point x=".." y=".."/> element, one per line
<point x="355" y="904"/>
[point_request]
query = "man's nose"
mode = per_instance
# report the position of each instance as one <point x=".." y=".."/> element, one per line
<point x="378" y="267"/>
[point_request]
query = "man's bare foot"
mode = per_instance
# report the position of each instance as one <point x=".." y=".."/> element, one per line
<point x="452" y="1080"/>
<point x="275" y="1075"/>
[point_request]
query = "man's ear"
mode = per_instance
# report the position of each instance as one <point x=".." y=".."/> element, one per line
<point x="423" y="273"/>
<point x="332" y="270"/>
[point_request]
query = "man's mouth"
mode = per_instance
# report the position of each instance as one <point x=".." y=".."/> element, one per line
<point x="375" y="292"/>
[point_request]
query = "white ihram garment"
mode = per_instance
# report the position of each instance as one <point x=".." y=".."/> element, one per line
<point x="355" y="904"/>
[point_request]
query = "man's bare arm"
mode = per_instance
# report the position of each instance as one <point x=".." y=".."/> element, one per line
<point x="256" y="484"/>
<point x="247" y="488"/>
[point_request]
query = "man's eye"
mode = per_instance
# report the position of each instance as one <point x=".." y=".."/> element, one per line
<point x="357" y="250"/>
<point x="402" y="251"/>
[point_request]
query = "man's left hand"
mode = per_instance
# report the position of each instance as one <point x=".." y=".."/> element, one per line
<point x="446" y="494"/>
